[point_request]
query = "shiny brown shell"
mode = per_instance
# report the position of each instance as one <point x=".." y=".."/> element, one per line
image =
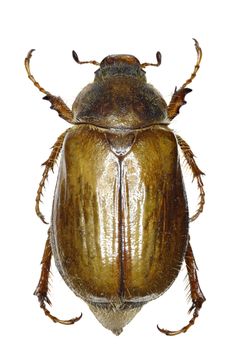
<point x="120" y="218"/>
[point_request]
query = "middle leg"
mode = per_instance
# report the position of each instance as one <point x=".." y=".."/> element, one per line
<point x="197" y="174"/>
<point x="49" y="165"/>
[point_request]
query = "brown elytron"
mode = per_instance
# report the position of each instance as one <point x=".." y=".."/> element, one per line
<point x="119" y="225"/>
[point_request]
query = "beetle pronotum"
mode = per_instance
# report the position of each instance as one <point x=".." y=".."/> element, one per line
<point x="119" y="225"/>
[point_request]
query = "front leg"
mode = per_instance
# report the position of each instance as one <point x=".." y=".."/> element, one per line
<point x="56" y="102"/>
<point x="178" y="98"/>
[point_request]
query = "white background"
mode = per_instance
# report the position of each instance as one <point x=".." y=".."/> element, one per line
<point x="210" y="123"/>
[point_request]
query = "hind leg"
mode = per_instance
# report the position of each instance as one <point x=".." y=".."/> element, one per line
<point x="196" y="293"/>
<point x="43" y="286"/>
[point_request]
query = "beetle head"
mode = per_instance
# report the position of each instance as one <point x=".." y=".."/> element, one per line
<point x="119" y="59"/>
<point x="120" y="65"/>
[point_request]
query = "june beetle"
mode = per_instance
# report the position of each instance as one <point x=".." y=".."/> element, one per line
<point x="119" y="225"/>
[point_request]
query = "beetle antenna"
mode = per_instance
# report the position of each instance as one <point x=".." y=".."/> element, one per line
<point x="75" y="56"/>
<point x="30" y="76"/>
<point x="158" y="58"/>
<point x="197" y="66"/>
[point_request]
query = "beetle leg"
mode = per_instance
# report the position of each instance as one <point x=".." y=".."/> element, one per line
<point x="42" y="288"/>
<point x="56" y="102"/>
<point x="177" y="101"/>
<point x="60" y="107"/>
<point x="197" y="174"/>
<point x="49" y="165"/>
<point x="196" y="293"/>
<point x="178" y="98"/>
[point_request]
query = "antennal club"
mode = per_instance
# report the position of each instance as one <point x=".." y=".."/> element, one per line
<point x="158" y="58"/>
<point x="76" y="58"/>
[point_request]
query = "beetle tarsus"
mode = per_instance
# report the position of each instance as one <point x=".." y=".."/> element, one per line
<point x="185" y="328"/>
<point x="196" y="293"/>
<point x="57" y="320"/>
<point x="43" y="286"/>
<point x="197" y="174"/>
<point x="49" y="165"/>
<point x="38" y="212"/>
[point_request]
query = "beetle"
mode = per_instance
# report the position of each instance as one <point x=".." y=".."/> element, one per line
<point x="119" y="224"/>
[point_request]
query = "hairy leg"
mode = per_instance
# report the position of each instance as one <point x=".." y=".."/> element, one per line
<point x="49" y="165"/>
<point x="178" y="98"/>
<point x="43" y="286"/>
<point x="197" y="174"/>
<point x="196" y="293"/>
